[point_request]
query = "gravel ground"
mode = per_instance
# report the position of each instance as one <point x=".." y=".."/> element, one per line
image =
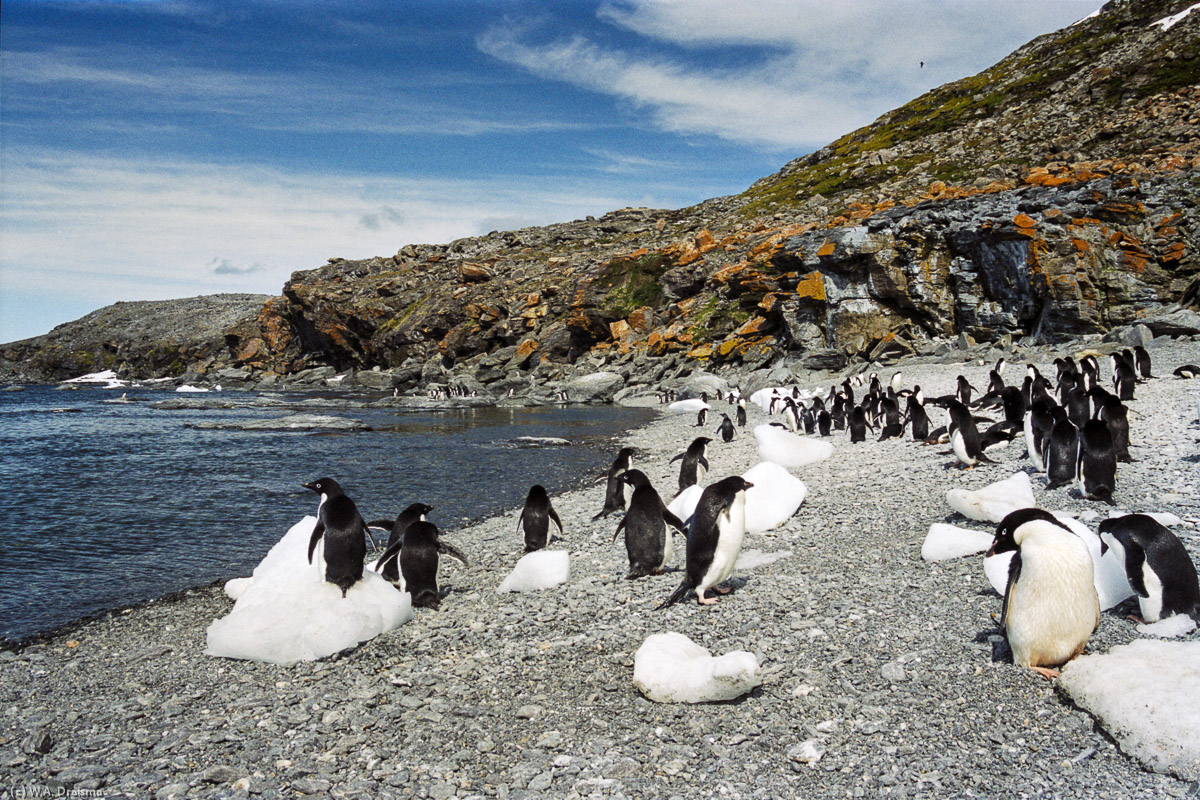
<point x="872" y="659"/>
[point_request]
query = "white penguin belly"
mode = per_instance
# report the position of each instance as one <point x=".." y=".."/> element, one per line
<point x="1151" y="606"/>
<point x="729" y="545"/>
<point x="1053" y="608"/>
<point x="960" y="447"/>
<point x="668" y="545"/>
<point x="1029" y="446"/>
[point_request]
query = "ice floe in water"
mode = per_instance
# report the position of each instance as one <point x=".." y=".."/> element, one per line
<point x="671" y="668"/>
<point x="541" y="569"/>
<point x="288" y="612"/>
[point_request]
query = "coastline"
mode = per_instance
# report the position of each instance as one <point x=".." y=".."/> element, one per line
<point x="532" y="694"/>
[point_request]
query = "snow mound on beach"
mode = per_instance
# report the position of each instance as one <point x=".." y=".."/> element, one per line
<point x="995" y="501"/>
<point x="1146" y="694"/>
<point x="541" y="569"/>
<point x="787" y="449"/>
<point x="684" y="504"/>
<point x="288" y="612"/>
<point x="944" y="542"/>
<point x="773" y="498"/>
<point x="671" y="668"/>
<point x="694" y="404"/>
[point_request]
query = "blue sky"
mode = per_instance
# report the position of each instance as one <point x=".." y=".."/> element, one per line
<point x="151" y="150"/>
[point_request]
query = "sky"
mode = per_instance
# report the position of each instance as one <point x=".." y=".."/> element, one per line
<point x="152" y="150"/>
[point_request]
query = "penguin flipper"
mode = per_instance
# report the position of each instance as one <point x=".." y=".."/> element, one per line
<point x="317" y="533"/>
<point x="557" y="521"/>
<point x="447" y="549"/>
<point x="1135" y="557"/>
<point x="676" y="596"/>
<point x="382" y="524"/>
<point x="704" y="462"/>
<point x="620" y="525"/>
<point x="674" y="521"/>
<point x="676" y="458"/>
<point x="367" y="530"/>
<point x="390" y="554"/>
<point x="1014" y="572"/>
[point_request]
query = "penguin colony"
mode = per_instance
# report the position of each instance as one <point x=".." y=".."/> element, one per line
<point x="1074" y="427"/>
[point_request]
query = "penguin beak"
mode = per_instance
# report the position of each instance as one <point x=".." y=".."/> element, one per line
<point x="749" y="485"/>
<point x="311" y="486"/>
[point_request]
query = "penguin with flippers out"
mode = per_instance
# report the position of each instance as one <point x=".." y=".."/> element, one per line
<point x="419" y="563"/>
<point x="344" y="531"/>
<point x="964" y="435"/>
<point x="389" y="564"/>
<point x="616" y="492"/>
<point x="535" y="518"/>
<point x="1050" y="603"/>
<point x="648" y="539"/>
<point x="1157" y="564"/>
<point x="693" y="464"/>
<point x="714" y="540"/>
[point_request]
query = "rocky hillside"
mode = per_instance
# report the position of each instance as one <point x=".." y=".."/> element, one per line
<point x="1052" y="195"/>
<point x="146" y="339"/>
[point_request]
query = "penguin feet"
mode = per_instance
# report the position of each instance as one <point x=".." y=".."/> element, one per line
<point x="720" y="590"/>
<point x="706" y="601"/>
<point x="1046" y="672"/>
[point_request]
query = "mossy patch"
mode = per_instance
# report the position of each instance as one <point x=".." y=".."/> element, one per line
<point x="631" y="283"/>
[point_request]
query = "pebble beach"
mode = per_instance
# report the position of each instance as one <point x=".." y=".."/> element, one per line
<point x="877" y="675"/>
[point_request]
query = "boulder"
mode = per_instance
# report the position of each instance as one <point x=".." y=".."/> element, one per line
<point x="598" y="387"/>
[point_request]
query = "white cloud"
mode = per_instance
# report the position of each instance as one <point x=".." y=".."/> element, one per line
<point x="97" y="230"/>
<point x="818" y="69"/>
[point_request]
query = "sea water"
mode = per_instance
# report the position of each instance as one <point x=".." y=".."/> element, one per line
<point x="105" y="504"/>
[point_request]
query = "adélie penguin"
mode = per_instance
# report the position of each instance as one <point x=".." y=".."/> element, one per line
<point x="964" y="435"/>
<point x="616" y="493"/>
<point x="388" y="564"/>
<point x="535" y="518"/>
<point x="648" y="539"/>
<point x="1050" y="603"/>
<point x="714" y="540"/>
<point x="726" y="429"/>
<point x="693" y="464"/>
<point x="344" y="532"/>
<point x="1096" y="462"/>
<point x="1157" y="565"/>
<point x="1060" y="450"/>
<point x="419" y="563"/>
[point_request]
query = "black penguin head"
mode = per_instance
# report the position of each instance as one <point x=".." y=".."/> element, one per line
<point x="635" y="478"/>
<point x="326" y="486"/>
<point x="537" y="491"/>
<point x="1006" y="539"/>
<point x="416" y="511"/>
<point x="733" y="484"/>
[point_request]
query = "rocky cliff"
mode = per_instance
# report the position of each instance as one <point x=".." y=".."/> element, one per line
<point x="1052" y="195"/>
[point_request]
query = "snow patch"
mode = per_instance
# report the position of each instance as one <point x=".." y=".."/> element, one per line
<point x="1169" y="628"/>
<point x="671" y="668"/>
<point x="1166" y="23"/>
<point x="774" y="497"/>
<point x="1146" y="694"/>
<point x="749" y="559"/>
<point x="944" y="542"/>
<point x="541" y="569"/>
<point x="684" y="504"/>
<point x="288" y="612"/>
<point x="787" y="449"/>
<point x="995" y="501"/>
<point x="694" y="405"/>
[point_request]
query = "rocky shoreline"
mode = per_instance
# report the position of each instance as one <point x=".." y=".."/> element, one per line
<point x="877" y="677"/>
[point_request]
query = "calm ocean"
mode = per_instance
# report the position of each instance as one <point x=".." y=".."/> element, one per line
<point x="107" y="505"/>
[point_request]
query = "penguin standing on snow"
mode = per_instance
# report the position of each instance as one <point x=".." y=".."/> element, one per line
<point x="1157" y="565"/>
<point x="726" y="429"/>
<point x="648" y="540"/>
<point x="1050" y="603"/>
<point x="389" y="564"/>
<point x="344" y="531"/>
<point x="615" y="492"/>
<point x="694" y="466"/>
<point x="1096" y="462"/>
<point x="535" y="518"/>
<point x="419" y="563"/>
<point x="713" y="540"/>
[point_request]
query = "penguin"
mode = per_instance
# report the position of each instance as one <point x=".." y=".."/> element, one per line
<point x="896" y="382"/>
<point x="824" y="422"/>
<point x="791" y="415"/>
<point x="1124" y="378"/>
<point x="999" y="435"/>
<point x="714" y="540"/>
<point x="858" y="425"/>
<point x="964" y="390"/>
<point x="419" y="563"/>
<point x="1141" y="363"/>
<point x="1050" y="603"/>
<point x="702" y="418"/>
<point x="344" y="531"/>
<point x="694" y="465"/>
<point x="535" y="518"/>
<point x="726" y="429"/>
<point x="1060" y="451"/>
<point x="1187" y="371"/>
<point x="917" y="417"/>
<point x="741" y="412"/>
<point x="964" y="436"/>
<point x="1157" y="565"/>
<point x="648" y="540"/>
<point x="615" y="491"/>
<point x="1096" y="462"/>
<point x="1116" y="416"/>
<point x="388" y="564"/>
<point x="1039" y="422"/>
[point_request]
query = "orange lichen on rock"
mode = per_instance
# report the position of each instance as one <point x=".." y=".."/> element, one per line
<point x="826" y="249"/>
<point x="812" y="286"/>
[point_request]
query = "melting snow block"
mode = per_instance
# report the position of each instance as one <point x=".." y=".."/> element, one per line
<point x="684" y="504"/>
<point x="288" y="612"/>
<point x="774" y="497"/>
<point x="944" y="542"/>
<point x="671" y="668"/>
<point x="787" y="449"/>
<point x="1146" y="694"/>
<point x="994" y="502"/>
<point x="540" y="569"/>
